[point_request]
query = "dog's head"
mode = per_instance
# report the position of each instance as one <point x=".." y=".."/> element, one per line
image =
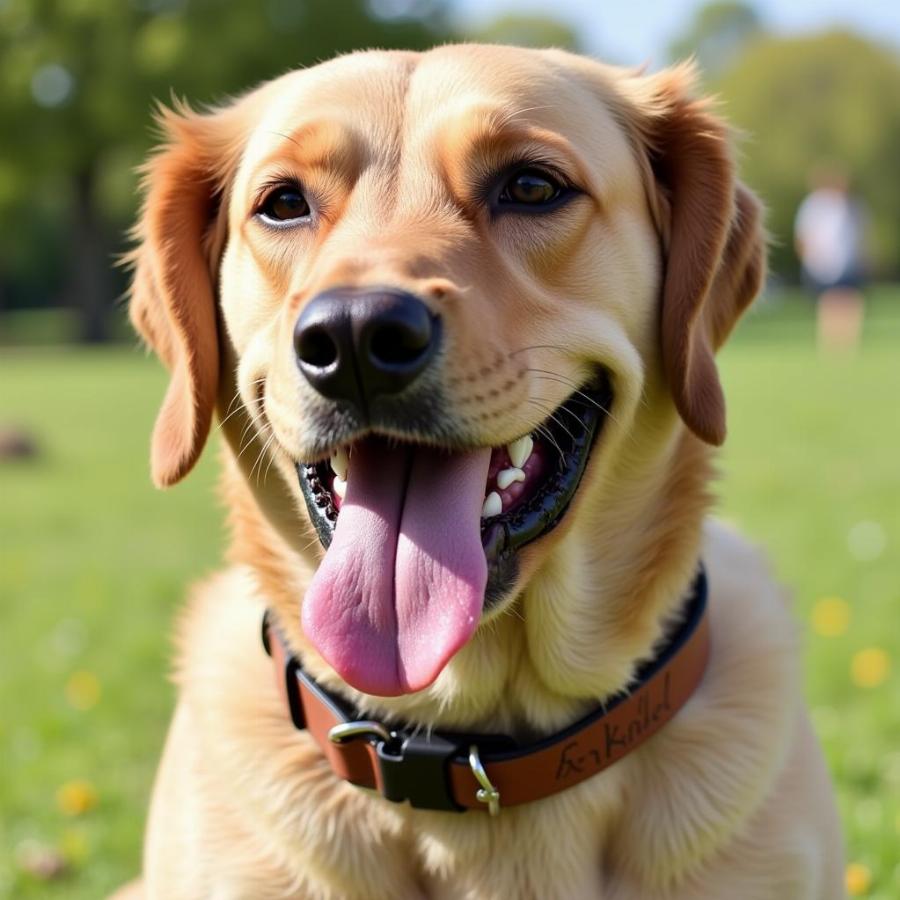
<point x="459" y="299"/>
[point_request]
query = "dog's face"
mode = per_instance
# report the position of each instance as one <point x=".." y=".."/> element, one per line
<point x="455" y="294"/>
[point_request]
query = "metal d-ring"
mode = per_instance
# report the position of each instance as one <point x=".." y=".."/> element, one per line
<point x="350" y="731"/>
<point x="487" y="793"/>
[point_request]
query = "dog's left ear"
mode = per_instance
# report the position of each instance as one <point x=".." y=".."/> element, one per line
<point x="172" y="295"/>
<point x="713" y="240"/>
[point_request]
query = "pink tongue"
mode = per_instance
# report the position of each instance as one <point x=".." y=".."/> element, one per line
<point x="401" y="587"/>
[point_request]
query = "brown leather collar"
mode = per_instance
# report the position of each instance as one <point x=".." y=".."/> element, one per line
<point x="458" y="772"/>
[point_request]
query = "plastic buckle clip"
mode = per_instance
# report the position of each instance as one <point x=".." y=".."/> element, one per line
<point x="412" y="768"/>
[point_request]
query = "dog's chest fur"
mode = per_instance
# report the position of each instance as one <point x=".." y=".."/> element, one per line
<point x="677" y="809"/>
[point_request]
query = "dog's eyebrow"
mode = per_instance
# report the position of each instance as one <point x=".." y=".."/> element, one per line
<point x="479" y="138"/>
<point x="330" y="145"/>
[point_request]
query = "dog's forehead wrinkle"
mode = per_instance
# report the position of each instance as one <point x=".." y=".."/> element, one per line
<point x="359" y="92"/>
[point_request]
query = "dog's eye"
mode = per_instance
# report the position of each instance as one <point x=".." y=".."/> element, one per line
<point x="284" y="204"/>
<point x="530" y="187"/>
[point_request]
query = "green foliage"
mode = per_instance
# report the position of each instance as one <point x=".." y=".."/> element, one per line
<point x="717" y="33"/>
<point x="528" y="31"/>
<point x="94" y="565"/>
<point x="830" y="99"/>
<point x="79" y="78"/>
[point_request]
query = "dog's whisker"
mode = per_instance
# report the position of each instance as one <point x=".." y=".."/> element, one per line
<point x="259" y="452"/>
<point x="513" y="610"/>
<point x="234" y="399"/>
<point x="247" y="428"/>
<point x="545" y="432"/>
<point x="278" y="447"/>
<point x="536" y="347"/>
<point x="259" y="414"/>
<point x="253" y="436"/>
<point x="578" y="396"/>
<point x="564" y="379"/>
<point x="268" y="450"/>
<point x="242" y="405"/>
<point x="235" y="405"/>
<point x="574" y="416"/>
<point x="551" y="415"/>
<point x="259" y="458"/>
<point x="229" y="414"/>
<point x="559" y="422"/>
<point x="577" y="393"/>
<point x="261" y="455"/>
<point x="313" y="542"/>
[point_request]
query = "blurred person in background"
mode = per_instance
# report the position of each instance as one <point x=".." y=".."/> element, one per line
<point x="829" y="231"/>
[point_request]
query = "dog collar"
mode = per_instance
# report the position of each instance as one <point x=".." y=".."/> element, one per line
<point x="456" y="771"/>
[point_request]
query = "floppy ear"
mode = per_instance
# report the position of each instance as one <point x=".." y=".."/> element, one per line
<point x="713" y="240"/>
<point x="172" y="296"/>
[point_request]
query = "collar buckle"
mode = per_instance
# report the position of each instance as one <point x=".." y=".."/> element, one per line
<point x="410" y="767"/>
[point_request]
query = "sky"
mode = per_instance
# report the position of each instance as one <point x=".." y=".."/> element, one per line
<point x="633" y="32"/>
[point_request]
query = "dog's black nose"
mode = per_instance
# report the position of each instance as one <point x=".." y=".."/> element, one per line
<point x="355" y="344"/>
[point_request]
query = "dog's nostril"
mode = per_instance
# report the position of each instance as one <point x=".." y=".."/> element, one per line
<point x="400" y="343"/>
<point x="356" y="345"/>
<point x="316" y="348"/>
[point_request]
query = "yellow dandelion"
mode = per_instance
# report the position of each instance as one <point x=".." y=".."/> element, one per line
<point x="83" y="690"/>
<point x="858" y="879"/>
<point x="870" y="667"/>
<point x="76" y="797"/>
<point x="831" y="617"/>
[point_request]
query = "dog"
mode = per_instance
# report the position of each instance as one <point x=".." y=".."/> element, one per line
<point x="457" y="313"/>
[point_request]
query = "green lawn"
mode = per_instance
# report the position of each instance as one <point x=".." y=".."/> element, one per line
<point x="93" y="564"/>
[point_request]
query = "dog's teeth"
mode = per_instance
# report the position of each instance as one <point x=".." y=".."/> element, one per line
<point x="508" y="476"/>
<point x="520" y="450"/>
<point x="493" y="505"/>
<point x="339" y="462"/>
<point x="339" y="486"/>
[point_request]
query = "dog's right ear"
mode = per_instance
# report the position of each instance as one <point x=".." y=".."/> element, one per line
<point x="172" y="294"/>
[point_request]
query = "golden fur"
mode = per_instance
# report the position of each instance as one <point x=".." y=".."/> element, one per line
<point x="645" y="275"/>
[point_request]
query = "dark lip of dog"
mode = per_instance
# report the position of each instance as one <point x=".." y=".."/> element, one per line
<point x="531" y="481"/>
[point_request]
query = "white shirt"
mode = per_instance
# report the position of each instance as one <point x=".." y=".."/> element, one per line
<point x="829" y="227"/>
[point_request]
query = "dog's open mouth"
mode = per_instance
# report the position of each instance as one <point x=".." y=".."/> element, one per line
<point x="420" y="540"/>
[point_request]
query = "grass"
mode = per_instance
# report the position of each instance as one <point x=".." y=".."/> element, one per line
<point x="93" y="565"/>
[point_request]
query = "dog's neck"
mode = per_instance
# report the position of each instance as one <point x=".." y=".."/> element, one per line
<point x="595" y="608"/>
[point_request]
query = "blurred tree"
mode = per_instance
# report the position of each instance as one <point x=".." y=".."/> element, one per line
<point x="528" y="31"/>
<point x="717" y="33"/>
<point x="79" y="77"/>
<point x="828" y="100"/>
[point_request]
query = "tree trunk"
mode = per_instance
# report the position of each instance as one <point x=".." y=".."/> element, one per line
<point x="90" y="284"/>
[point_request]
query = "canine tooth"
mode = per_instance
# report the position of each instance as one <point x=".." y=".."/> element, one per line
<point x="340" y="460"/>
<point x="493" y="505"/>
<point x="508" y="476"/>
<point x="520" y="450"/>
<point x="339" y="486"/>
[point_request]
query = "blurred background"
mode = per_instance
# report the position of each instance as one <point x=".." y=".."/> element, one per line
<point x="94" y="563"/>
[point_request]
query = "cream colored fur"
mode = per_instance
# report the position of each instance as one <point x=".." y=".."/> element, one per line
<point x="644" y="275"/>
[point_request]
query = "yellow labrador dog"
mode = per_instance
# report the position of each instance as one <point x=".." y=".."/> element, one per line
<point x="457" y="314"/>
